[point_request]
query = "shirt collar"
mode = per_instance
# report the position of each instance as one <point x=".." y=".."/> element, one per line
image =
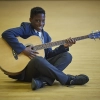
<point x="35" y="31"/>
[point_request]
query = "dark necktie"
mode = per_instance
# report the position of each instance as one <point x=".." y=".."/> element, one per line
<point x="37" y="33"/>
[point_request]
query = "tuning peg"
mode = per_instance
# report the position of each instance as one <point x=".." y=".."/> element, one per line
<point x="97" y="30"/>
<point x="94" y="38"/>
<point x="93" y="35"/>
<point x="98" y="33"/>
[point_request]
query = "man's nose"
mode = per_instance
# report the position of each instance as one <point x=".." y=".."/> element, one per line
<point x="41" y="23"/>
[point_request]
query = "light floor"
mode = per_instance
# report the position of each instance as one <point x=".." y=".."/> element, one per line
<point x="64" y="19"/>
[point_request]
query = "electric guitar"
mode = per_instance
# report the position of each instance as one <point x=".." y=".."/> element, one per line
<point x="12" y="64"/>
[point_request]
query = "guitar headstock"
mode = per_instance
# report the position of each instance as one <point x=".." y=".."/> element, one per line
<point x="94" y="35"/>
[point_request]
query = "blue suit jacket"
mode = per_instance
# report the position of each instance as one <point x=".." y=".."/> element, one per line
<point x="26" y="30"/>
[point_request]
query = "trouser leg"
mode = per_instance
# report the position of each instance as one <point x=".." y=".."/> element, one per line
<point x="41" y="67"/>
<point x="61" y="61"/>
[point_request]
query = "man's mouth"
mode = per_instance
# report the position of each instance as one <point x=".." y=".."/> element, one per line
<point x="40" y="28"/>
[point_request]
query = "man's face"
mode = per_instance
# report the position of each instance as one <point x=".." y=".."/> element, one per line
<point x="38" y="21"/>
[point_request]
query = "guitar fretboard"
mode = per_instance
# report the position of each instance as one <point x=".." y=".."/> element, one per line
<point x="61" y="42"/>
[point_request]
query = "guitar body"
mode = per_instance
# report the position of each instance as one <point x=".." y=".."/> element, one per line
<point x="11" y="66"/>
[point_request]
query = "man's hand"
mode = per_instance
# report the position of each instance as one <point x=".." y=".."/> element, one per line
<point x="30" y="52"/>
<point x="69" y="42"/>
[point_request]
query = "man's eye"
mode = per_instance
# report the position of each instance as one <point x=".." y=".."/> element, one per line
<point x="37" y="20"/>
<point x="40" y="21"/>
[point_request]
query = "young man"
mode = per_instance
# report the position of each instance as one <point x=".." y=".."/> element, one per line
<point x="42" y="71"/>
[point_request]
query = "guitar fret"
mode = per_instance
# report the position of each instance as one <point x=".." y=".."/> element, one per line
<point x="80" y="38"/>
<point x="61" y="42"/>
<point x="47" y="45"/>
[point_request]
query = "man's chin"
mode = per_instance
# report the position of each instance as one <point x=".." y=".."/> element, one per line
<point x="39" y="29"/>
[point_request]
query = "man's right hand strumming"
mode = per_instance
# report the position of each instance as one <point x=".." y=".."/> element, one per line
<point x="30" y="52"/>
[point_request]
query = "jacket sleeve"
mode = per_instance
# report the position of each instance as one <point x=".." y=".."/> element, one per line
<point x="51" y="53"/>
<point x="10" y="37"/>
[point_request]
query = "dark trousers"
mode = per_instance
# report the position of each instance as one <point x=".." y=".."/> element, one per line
<point x="50" y="69"/>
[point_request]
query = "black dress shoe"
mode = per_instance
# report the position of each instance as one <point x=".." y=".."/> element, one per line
<point x="79" y="79"/>
<point x="36" y="84"/>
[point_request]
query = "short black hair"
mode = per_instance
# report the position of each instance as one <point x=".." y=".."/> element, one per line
<point x="36" y="10"/>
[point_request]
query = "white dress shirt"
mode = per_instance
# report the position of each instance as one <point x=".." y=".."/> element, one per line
<point x="40" y="34"/>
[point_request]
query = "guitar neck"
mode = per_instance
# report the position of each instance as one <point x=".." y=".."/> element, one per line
<point x="61" y="42"/>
